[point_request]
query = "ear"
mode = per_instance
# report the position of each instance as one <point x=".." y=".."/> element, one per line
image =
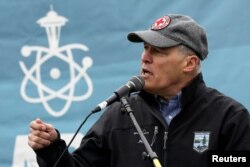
<point x="191" y="63"/>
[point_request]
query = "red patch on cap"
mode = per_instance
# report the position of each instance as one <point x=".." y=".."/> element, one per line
<point x="161" y="23"/>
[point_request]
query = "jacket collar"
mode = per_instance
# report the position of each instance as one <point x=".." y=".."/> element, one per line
<point x="190" y="92"/>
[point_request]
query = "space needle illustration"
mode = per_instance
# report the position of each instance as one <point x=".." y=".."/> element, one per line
<point x="52" y="23"/>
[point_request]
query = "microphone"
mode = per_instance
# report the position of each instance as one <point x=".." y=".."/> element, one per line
<point x="136" y="83"/>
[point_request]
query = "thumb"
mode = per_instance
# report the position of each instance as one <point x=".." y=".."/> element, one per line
<point x="44" y="125"/>
<point x="38" y="120"/>
<point x="49" y="127"/>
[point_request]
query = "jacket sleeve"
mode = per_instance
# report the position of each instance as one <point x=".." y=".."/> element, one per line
<point x="92" y="152"/>
<point x="48" y="156"/>
<point x="236" y="131"/>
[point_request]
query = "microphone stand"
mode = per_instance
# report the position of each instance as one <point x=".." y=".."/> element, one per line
<point x="150" y="152"/>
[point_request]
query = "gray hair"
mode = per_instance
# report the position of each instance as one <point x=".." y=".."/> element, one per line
<point x="188" y="51"/>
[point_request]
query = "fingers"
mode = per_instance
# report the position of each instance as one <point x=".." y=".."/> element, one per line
<point x="41" y="134"/>
<point x="52" y="132"/>
<point x="38" y="139"/>
<point x="38" y="125"/>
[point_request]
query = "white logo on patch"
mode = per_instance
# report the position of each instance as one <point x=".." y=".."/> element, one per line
<point x="66" y="92"/>
<point x="201" y="141"/>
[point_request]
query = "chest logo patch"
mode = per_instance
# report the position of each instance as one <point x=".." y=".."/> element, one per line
<point x="201" y="141"/>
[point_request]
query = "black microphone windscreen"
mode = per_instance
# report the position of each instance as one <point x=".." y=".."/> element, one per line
<point x="137" y="82"/>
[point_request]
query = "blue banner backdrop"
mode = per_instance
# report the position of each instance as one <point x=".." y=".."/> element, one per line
<point x="61" y="58"/>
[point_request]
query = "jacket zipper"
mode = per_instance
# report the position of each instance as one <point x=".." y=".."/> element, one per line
<point x="164" y="148"/>
<point x="154" y="137"/>
<point x="165" y="140"/>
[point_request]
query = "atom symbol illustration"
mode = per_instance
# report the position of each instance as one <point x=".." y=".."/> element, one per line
<point x="53" y="23"/>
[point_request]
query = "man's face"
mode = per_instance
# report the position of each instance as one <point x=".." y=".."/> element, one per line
<point x="162" y="69"/>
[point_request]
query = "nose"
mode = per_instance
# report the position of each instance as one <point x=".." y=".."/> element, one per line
<point x="146" y="56"/>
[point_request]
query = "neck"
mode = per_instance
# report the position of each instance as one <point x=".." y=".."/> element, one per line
<point x="176" y="88"/>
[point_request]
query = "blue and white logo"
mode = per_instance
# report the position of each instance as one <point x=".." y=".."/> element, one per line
<point x="63" y="58"/>
<point x="201" y="141"/>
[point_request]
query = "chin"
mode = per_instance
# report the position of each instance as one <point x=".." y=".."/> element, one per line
<point x="148" y="89"/>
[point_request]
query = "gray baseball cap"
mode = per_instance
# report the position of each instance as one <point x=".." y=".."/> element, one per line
<point x="172" y="30"/>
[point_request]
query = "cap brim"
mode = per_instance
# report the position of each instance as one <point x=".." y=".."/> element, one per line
<point x="151" y="37"/>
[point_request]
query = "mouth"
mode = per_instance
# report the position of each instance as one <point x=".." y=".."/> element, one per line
<point x="145" y="72"/>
